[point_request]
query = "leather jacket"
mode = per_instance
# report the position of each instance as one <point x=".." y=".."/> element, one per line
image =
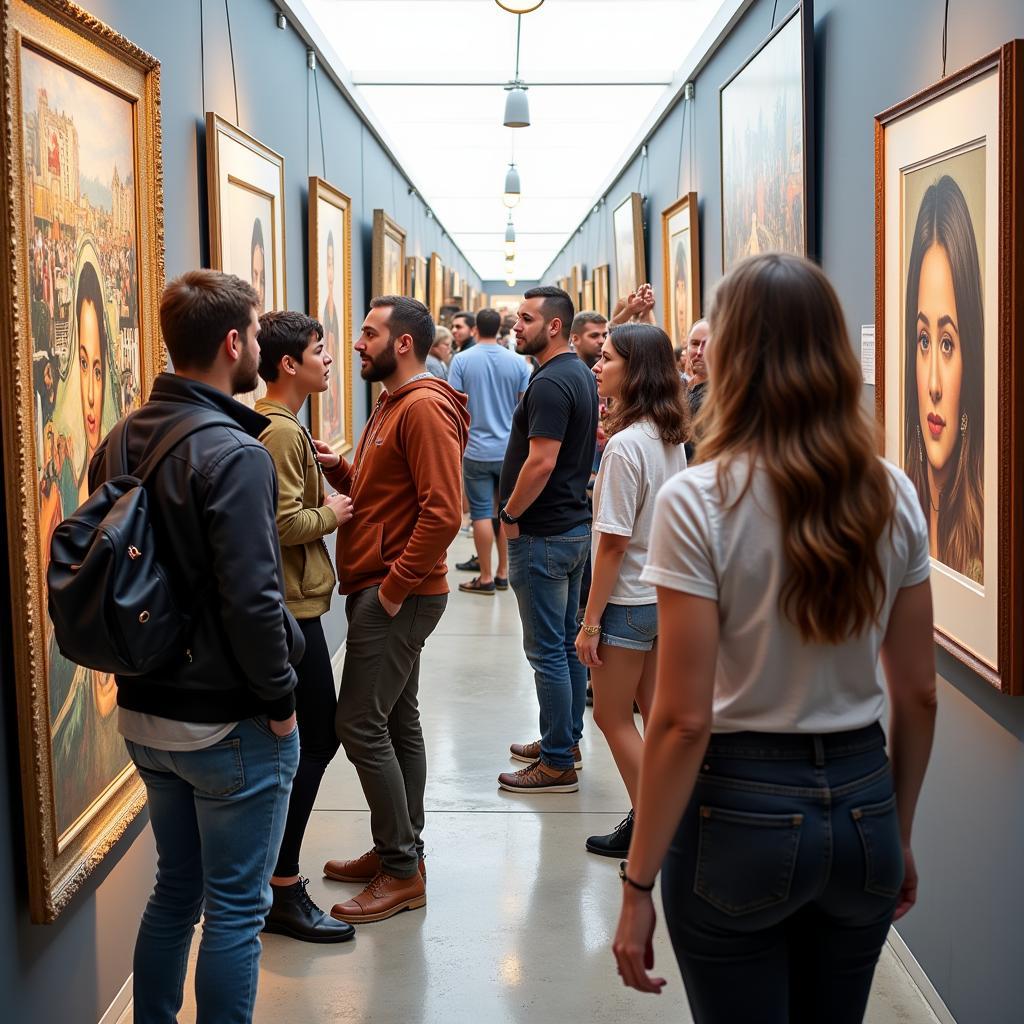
<point x="213" y="502"/>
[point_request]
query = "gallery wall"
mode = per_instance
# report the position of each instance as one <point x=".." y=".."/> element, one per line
<point x="73" y="969"/>
<point x="969" y="835"/>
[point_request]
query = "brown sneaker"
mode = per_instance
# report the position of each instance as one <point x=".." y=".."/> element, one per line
<point x="383" y="897"/>
<point x="362" y="869"/>
<point x="540" y="778"/>
<point x="530" y="752"/>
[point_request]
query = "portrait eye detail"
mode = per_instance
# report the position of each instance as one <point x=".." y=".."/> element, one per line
<point x="923" y="341"/>
<point x="947" y="345"/>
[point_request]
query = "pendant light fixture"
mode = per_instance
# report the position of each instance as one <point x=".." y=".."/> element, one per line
<point x="512" y="188"/>
<point x="511" y="280"/>
<point x="517" y="107"/>
<point x="519" y="6"/>
<point x="510" y="237"/>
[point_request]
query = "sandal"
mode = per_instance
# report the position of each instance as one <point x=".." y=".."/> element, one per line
<point x="474" y="586"/>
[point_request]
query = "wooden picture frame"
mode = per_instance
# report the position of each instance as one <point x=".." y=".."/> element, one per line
<point x="388" y="256"/>
<point x="330" y="285"/>
<point x="602" y="289"/>
<point x="628" y="229"/>
<point x="416" y="278"/>
<point x="764" y="172"/>
<point x="680" y="261"/>
<point x="950" y="160"/>
<point x="576" y="284"/>
<point x="245" y="191"/>
<point x="72" y="88"/>
<point x="436" y="289"/>
<point x="587" y="302"/>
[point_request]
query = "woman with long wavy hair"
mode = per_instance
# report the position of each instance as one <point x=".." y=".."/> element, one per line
<point x="944" y="325"/>
<point x="617" y="640"/>
<point x="791" y="567"/>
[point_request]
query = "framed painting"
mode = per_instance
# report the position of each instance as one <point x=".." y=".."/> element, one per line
<point x="576" y="284"/>
<point x="766" y="116"/>
<point x="436" y="286"/>
<point x="588" y="295"/>
<point x="565" y="284"/>
<point x="416" y="278"/>
<point x="628" y="227"/>
<point x="456" y="293"/>
<point x="81" y="179"/>
<point x="245" y="185"/>
<point x="330" y="301"/>
<point x="602" y="291"/>
<point x="388" y="269"/>
<point x="680" y="260"/>
<point x="949" y="376"/>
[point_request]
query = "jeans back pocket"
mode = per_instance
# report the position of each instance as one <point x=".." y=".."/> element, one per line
<point x="745" y="861"/>
<point x="879" y="828"/>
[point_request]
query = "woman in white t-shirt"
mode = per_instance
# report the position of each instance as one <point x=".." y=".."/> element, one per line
<point x="791" y="566"/>
<point x="617" y="641"/>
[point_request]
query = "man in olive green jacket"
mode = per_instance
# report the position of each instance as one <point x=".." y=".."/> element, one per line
<point x="295" y="364"/>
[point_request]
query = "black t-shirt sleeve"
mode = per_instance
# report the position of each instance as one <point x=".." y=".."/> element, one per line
<point x="549" y="409"/>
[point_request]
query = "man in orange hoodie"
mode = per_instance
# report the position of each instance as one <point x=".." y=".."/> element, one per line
<point x="406" y="487"/>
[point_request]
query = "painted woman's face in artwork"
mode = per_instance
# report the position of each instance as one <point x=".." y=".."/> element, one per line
<point x="90" y="369"/>
<point x="940" y="366"/>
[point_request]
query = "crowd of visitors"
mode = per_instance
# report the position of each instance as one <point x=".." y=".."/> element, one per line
<point x="707" y="532"/>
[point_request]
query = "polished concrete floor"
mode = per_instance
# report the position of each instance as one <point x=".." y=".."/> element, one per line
<point x="520" y="918"/>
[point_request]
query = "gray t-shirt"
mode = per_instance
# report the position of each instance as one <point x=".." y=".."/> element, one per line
<point x="167" y="734"/>
<point x="635" y="465"/>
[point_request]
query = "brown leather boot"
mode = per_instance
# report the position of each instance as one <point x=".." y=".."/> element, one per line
<point x="382" y="898"/>
<point x="362" y="869"/>
<point x="530" y="752"/>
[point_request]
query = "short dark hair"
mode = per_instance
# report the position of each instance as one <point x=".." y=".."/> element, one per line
<point x="284" y="332"/>
<point x="488" y="322"/>
<point x="408" y="316"/>
<point x="470" y="318"/>
<point x="198" y="309"/>
<point x="580" y="320"/>
<point x="556" y="304"/>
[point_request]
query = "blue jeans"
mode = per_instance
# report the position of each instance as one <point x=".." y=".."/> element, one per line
<point x="481" y="480"/>
<point x="546" y="573"/>
<point x="218" y="815"/>
<point x="781" y="882"/>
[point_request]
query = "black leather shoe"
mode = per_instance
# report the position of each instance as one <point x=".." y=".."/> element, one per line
<point x="616" y="843"/>
<point x="472" y="564"/>
<point x="293" y="913"/>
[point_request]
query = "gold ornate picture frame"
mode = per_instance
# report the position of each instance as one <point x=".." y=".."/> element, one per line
<point x="388" y="257"/>
<point x="628" y="230"/>
<point x="330" y="302"/>
<point x="436" y="286"/>
<point x="82" y="182"/>
<point x="602" y="290"/>
<point x="680" y="260"/>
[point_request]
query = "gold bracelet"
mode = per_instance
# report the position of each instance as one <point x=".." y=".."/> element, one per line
<point x="590" y="630"/>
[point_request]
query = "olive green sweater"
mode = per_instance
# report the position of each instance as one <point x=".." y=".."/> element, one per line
<point x="302" y="518"/>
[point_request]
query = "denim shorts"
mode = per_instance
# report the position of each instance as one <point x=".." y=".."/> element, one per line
<point x="633" y="626"/>
<point x="481" y="479"/>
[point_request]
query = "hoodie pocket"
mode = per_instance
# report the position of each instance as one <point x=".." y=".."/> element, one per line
<point x="360" y="551"/>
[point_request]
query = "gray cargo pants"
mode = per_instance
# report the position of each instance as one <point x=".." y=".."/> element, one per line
<point x="378" y="719"/>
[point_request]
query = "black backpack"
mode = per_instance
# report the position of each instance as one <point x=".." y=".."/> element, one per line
<point x="111" y="601"/>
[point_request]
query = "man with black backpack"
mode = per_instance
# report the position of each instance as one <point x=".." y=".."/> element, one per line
<point x="212" y="729"/>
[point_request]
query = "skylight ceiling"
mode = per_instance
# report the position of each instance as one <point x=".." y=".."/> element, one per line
<point x="432" y="74"/>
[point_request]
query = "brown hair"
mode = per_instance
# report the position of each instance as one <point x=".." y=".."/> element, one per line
<point x="651" y="389"/>
<point x="786" y="392"/>
<point x="197" y="311"/>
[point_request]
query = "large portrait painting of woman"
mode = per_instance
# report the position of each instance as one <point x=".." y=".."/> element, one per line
<point x="948" y="386"/>
<point x="86" y="273"/>
<point x="330" y="301"/>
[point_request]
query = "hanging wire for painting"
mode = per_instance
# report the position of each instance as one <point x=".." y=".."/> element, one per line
<point x="775" y="9"/>
<point x="682" y="136"/>
<point x="202" y="53"/>
<point x="945" y="36"/>
<point x="320" y="119"/>
<point x="307" y="126"/>
<point x="231" y="51"/>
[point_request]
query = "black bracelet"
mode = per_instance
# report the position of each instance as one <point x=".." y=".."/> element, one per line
<point x="629" y="881"/>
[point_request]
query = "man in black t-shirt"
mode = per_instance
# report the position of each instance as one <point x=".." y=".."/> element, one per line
<point x="543" y="492"/>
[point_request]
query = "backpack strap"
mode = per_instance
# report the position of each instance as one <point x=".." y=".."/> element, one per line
<point x="189" y="424"/>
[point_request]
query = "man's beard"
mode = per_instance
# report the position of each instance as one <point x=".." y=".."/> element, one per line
<point x="247" y="376"/>
<point x="382" y="367"/>
<point x="530" y="347"/>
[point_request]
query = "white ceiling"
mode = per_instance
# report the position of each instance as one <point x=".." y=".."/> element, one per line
<point x="619" y="55"/>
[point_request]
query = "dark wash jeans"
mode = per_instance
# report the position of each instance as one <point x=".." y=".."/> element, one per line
<point x="783" y="877"/>
<point x="546" y="574"/>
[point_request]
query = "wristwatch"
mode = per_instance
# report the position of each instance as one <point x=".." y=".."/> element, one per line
<point x="506" y="518"/>
<point x="629" y="881"/>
